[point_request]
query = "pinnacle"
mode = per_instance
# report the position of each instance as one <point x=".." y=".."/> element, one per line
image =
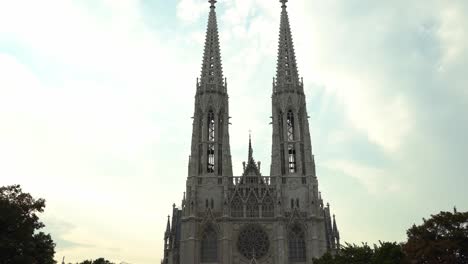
<point x="284" y="3"/>
<point x="213" y="3"/>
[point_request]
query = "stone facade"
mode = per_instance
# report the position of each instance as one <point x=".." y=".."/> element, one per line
<point x="250" y="218"/>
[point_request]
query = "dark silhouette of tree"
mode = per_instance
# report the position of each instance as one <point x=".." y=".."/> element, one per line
<point x="97" y="261"/>
<point x="388" y="253"/>
<point x="327" y="258"/>
<point x="384" y="253"/>
<point x="353" y="254"/>
<point x="20" y="239"/>
<point x="441" y="239"/>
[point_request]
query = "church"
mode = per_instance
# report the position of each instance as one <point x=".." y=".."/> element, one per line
<point x="251" y="218"/>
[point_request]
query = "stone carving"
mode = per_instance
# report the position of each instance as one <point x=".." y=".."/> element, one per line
<point x="253" y="241"/>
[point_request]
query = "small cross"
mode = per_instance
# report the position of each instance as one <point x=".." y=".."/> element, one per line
<point x="212" y="2"/>
<point x="283" y="2"/>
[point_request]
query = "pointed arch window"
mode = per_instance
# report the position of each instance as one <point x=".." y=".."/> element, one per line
<point x="280" y="125"/>
<point x="209" y="245"/>
<point x="268" y="207"/>
<point x="211" y="126"/>
<point x="281" y="136"/>
<point x="237" y="207"/>
<point x="296" y="245"/>
<point x="290" y="124"/>
<point x="200" y="146"/>
<point x="252" y="207"/>
<point x="292" y="158"/>
<point x="220" y="141"/>
<point x="211" y="139"/>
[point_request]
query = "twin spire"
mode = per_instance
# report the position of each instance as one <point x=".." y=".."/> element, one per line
<point x="287" y="76"/>
<point x="212" y="70"/>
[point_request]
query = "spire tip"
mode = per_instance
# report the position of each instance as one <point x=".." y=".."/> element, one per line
<point x="213" y="3"/>
<point x="250" y="145"/>
<point x="283" y="2"/>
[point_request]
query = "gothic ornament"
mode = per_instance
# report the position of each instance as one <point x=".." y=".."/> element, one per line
<point x="253" y="241"/>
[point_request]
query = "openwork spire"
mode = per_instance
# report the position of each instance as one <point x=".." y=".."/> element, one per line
<point x="212" y="70"/>
<point x="286" y="69"/>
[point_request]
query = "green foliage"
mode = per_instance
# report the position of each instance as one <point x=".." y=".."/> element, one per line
<point x="388" y="253"/>
<point x="353" y="254"/>
<point x="325" y="259"/>
<point x="441" y="239"/>
<point x="20" y="241"/>
<point x="384" y="253"/>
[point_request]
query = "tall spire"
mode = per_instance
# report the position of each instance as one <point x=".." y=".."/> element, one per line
<point x="212" y="70"/>
<point x="286" y="69"/>
<point x="251" y="167"/>
<point x="335" y="228"/>
<point x="168" y="227"/>
<point x="250" y="148"/>
<point x="336" y="233"/>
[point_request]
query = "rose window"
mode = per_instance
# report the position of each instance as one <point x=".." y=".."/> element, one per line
<point x="253" y="240"/>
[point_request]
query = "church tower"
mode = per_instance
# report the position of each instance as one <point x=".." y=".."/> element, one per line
<point x="250" y="218"/>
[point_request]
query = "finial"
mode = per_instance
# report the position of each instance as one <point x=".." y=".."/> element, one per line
<point x="212" y="2"/>
<point x="284" y="3"/>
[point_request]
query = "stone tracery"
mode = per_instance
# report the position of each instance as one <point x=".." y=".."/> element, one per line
<point x="253" y="240"/>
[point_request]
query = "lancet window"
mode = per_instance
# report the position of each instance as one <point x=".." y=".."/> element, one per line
<point x="211" y="126"/>
<point x="281" y="135"/>
<point x="292" y="158"/>
<point x="220" y="142"/>
<point x="296" y="245"/>
<point x="200" y="146"/>
<point x="268" y="207"/>
<point x="252" y="207"/>
<point x="211" y="139"/>
<point x="209" y="245"/>
<point x="290" y="124"/>
<point x="237" y="207"/>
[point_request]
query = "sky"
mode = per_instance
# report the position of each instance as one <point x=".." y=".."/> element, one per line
<point x="96" y="98"/>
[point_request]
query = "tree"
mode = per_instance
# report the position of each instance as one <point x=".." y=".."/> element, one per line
<point x="388" y="253"/>
<point x="20" y="239"/>
<point x="384" y="253"/>
<point x="353" y="254"/>
<point x="441" y="239"/>
<point x="327" y="258"/>
<point x="97" y="261"/>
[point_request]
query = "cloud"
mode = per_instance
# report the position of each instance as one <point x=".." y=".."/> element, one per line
<point x="59" y="230"/>
<point x="190" y="11"/>
<point x="97" y="101"/>
<point x="377" y="181"/>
